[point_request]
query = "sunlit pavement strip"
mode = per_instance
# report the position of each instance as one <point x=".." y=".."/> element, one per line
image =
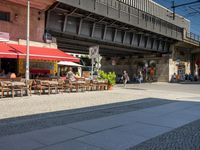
<point x="41" y="104"/>
<point x="116" y="132"/>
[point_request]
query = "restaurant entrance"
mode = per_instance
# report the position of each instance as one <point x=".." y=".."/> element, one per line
<point x="9" y="65"/>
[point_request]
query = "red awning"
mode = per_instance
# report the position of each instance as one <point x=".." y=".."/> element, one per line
<point x="37" y="53"/>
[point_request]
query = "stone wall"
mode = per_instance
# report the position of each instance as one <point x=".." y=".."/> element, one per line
<point x="179" y="59"/>
<point x="163" y="70"/>
<point x="133" y="64"/>
<point x="16" y="27"/>
<point x="34" y="43"/>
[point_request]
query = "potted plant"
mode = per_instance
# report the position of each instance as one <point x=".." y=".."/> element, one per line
<point x="110" y="77"/>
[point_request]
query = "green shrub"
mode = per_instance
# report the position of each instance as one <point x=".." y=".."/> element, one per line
<point x="110" y="76"/>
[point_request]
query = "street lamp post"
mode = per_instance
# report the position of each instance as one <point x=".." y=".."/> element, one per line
<point x="27" y="40"/>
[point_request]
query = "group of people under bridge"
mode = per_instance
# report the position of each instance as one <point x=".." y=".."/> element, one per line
<point x="140" y="77"/>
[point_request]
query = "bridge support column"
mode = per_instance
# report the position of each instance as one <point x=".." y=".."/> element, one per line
<point x="179" y="62"/>
<point x="172" y="63"/>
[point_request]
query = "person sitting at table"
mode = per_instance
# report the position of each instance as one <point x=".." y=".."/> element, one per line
<point x="70" y="75"/>
<point x="8" y="75"/>
<point x="19" y="75"/>
<point x="2" y="73"/>
<point x="46" y="75"/>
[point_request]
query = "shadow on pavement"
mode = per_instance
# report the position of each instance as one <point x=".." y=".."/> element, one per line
<point x="29" y="123"/>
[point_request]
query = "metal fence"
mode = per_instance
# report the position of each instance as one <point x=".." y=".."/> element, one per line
<point x="193" y="36"/>
<point x="148" y="18"/>
<point x="149" y="7"/>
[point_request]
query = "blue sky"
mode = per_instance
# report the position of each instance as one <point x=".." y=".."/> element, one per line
<point x="191" y="12"/>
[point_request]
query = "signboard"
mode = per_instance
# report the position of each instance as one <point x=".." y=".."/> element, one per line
<point x="4" y="37"/>
<point x="94" y="52"/>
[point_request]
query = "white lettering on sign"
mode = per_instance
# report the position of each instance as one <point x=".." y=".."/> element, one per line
<point x="94" y="52"/>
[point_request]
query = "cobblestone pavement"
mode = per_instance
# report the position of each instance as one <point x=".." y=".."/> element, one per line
<point x="183" y="138"/>
<point x="34" y="122"/>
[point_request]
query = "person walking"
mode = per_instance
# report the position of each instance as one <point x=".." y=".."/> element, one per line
<point x="70" y="75"/>
<point x="152" y="74"/>
<point x="125" y="78"/>
<point x="140" y="77"/>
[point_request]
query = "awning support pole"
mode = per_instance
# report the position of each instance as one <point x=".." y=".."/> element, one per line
<point x="92" y="71"/>
<point x="27" y="41"/>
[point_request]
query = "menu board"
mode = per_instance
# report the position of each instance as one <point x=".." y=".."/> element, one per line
<point x="41" y="65"/>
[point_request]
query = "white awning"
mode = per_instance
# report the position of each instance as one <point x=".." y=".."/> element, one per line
<point x="68" y="63"/>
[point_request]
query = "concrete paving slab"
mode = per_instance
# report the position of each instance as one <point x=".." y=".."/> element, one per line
<point x="144" y="130"/>
<point x="169" y="108"/>
<point x="18" y="142"/>
<point x="110" y="122"/>
<point x="174" y="120"/>
<point x="136" y="116"/>
<point x="54" y="134"/>
<point x="193" y="110"/>
<point x="97" y="125"/>
<point x="129" y="118"/>
<point x="112" y="139"/>
<point x="71" y="145"/>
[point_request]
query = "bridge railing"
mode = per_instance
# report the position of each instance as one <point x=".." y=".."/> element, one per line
<point x="193" y="36"/>
<point x="144" y="19"/>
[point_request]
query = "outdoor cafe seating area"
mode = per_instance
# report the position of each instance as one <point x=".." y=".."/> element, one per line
<point x="20" y="87"/>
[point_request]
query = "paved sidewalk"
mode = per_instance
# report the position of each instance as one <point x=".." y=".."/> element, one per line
<point x="117" y="132"/>
<point x="68" y="101"/>
<point x="137" y="117"/>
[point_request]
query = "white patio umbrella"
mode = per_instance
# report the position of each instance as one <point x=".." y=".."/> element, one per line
<point x="68" y="63"/>
<point x="72" y="64"/>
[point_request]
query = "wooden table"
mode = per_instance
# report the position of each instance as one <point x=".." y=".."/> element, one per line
<point x="15" y="86"/>
<point x="50" y="84"/>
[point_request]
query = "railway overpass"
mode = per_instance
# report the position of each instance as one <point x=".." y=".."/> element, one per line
<point x="128" y="32"/>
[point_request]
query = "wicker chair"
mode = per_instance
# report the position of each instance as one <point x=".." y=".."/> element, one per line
<point x="72" y="85"/>
<point x="28" y="87"/>
<point x="88" y="85"/>
<point x="80" y="84"/>
<point x="67" y="85"/>
<point x="95" y="84"/>
<point x="39" y="87"/>
<point x="5" y="88"/>
<point x="17" y="88"/>
<point x="103" y="85"/>
<point x="61" y="84"/>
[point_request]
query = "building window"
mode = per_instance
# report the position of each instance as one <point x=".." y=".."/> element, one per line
<point x="143" y="16"/>
<point x="153" y="20"/>
<point x="5" y="16"/>
<point x="146" y="17"/>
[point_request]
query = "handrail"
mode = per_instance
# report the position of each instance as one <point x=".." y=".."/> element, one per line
<point x="123" y="7"/>
<point x="193" y="36"/>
